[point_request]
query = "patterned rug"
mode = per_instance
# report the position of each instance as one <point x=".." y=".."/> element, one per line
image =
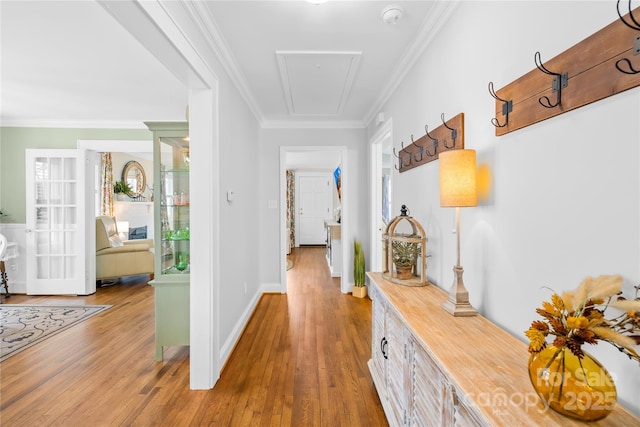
<point x="22" y="326"/>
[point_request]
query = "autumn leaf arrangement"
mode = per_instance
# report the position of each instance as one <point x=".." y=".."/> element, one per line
<point x="578" y="317"/>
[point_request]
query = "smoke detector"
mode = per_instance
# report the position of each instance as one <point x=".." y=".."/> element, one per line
<point x="392" y="14"/>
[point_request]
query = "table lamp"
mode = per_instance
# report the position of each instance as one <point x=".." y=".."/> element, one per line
<point x="458" y="189"/>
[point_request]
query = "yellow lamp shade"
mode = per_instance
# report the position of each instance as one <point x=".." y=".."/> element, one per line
<point x="458" y="186"/>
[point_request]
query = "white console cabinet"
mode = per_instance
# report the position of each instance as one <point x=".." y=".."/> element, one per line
<point x="433" y="369"/>
<point x="334" y="247"/>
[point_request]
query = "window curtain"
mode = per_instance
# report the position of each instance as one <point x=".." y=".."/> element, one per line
<point x="291" y="199"/>
<point x="106" y="187"/>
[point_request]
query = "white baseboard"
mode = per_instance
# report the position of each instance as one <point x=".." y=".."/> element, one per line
<point x="233" y="338"/>
<point x="271" y="288"/>
<point x="236" y="333"/>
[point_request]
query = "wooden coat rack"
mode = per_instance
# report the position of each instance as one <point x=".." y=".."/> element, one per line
<point x="604" y="64"/>
<point x="448" y="136"/>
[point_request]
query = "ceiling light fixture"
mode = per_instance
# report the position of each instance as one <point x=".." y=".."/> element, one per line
<point x="392" y="14"/>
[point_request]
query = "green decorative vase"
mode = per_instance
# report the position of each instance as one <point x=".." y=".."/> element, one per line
<point x="579" y="388"/>
<point x="183" y="262"/>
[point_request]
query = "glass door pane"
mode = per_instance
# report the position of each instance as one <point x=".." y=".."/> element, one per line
<point x="53" y="204"/>
<point x="174" y="205"/>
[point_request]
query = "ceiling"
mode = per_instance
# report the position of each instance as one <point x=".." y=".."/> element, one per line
<point x="70" y="64"/>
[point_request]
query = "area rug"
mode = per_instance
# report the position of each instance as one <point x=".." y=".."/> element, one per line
<point x="22" y="326"/>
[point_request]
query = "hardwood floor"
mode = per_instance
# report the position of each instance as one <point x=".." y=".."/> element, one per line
<point x="301" y="361"/>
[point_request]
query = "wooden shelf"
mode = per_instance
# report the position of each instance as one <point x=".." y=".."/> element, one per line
<point x="448" y="136"/>
<point x="591" y="75"/>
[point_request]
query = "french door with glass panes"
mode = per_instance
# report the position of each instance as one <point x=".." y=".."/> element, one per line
<point x="55" y="214"/>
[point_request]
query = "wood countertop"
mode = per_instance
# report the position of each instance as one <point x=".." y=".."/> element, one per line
<point x="487" y="365"/>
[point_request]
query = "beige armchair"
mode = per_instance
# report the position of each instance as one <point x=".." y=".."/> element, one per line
<point x="115" y="258"/>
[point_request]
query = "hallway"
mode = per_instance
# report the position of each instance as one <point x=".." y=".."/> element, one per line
<point x="303" y="356"/>
<point x="300" y="362"/>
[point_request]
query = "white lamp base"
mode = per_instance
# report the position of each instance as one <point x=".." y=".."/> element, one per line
<point x="458" y="301"/>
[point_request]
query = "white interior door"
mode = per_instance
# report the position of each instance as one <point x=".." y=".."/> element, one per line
<point x="55" y="215"/>
<point x="314" y="206"/>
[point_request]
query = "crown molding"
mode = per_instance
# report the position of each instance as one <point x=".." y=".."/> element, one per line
<point x="431" y="25"/>
<point x="73" y="124"/>
<point x="204" y="21"/>
<point x="293" y="124"/>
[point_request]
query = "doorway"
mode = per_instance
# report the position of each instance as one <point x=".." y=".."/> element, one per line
<point x="314" y="156"/>
<point x="141" y="213"/>
<point x="381" y="165"/>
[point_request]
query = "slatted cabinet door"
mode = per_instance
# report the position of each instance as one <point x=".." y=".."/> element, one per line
<point x="396" y="349"/>
<point x="427" y="390"/>
<point x="379" y="346"/>
<point x="463" y="413"/>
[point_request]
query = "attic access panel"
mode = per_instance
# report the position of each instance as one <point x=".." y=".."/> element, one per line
<point x="317" y="82"/>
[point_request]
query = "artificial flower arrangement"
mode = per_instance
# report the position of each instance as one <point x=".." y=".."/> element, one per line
<point x="578" y="317"/>
<point x="566" y="378"/>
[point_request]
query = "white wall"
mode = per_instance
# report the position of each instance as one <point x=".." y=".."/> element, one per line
<point x="224" y="156"/>
<point x="565" y="196"/>
<point x="269" y="183"/>
<point x="237" y="288"/>
<point x="239" y="235"/>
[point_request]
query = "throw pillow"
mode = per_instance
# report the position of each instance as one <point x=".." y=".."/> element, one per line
<point x="115" y="241"/>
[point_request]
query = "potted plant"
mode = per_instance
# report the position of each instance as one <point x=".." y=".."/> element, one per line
<point x="405" y="256"/>
<point x="121" y="189"/>
<point x="359" y="289"/>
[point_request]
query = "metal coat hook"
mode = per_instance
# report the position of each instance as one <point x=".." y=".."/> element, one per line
<point x="421" y="150"/>
<point x="559" y="82"/>
<point x="400" y="157"/>
<point x="635" y="23"/>
<point x="627" y="68"/>
<point x="507" y="107"/>
<point x="454" y="133"/>
<point x="435" y="142"/>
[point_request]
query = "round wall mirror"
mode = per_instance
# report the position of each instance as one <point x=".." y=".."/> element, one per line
<point x="133" y="174"/>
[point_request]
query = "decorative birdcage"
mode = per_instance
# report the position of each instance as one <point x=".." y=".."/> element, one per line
<point x="405" y="251"/>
